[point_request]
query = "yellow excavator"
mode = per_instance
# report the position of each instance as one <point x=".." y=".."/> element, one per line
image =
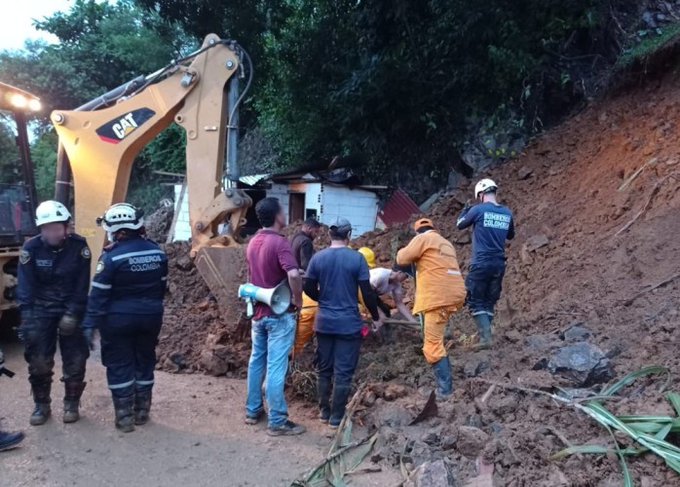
<point x="17" y="199"/>
<point x="98" y="143"/>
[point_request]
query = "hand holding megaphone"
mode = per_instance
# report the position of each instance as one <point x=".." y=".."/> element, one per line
<point x="277" y="298"/>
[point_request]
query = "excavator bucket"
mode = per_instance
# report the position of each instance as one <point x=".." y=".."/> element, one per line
<point x="223" y="269"/>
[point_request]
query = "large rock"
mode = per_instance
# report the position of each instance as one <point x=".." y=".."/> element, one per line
<point x="582" y="363"/>
<point x="471" y="441"/>
<point x="432" y="474"/>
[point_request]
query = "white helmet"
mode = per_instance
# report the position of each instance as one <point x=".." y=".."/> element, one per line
<point x="485" y="186"/>
<point x="121" y="216"/>
<point x="51" y="211"/>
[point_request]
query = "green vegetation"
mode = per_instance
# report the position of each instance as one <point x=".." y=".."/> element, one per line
<point x="397" y="88"/>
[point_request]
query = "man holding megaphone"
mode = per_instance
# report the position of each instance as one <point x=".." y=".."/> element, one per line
<point x="270" y="263"/>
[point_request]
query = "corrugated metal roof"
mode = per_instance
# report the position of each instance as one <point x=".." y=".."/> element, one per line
<point x="253" y="179"/>
<point x="398" y="209"/>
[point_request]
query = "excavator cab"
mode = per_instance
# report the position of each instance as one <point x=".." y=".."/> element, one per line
<point x="18" y="198"/>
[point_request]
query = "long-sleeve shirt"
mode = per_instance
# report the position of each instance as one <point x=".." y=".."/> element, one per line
<point x="493" y="224"/>
<point x="130" y="278"/>
<point x="54" y="280"/>
<point x="438" y="279"/>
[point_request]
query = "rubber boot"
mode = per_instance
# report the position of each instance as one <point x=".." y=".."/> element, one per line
<point x="484" y="328"/>
<point x="125" y="418"/>
<point x="338" y="404"/>
<point x="324" y="391"/>
<point x="73" y="392"/>
<point x="142" y="407"/>
<point x="442" y="375"/>
<point x="42" y="411"/>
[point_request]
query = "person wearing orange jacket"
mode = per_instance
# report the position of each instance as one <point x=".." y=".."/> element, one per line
<point x="440" y="292"/>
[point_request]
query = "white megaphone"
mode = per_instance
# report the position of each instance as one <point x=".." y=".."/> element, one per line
<point x="277" y="298"/>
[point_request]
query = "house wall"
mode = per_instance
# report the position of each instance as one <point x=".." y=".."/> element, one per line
<point x="183" y="226"/>
<point x="330" y="202"/>
<point x="359" y="206"/>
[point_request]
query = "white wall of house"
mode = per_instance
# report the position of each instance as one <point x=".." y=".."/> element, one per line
<point x="359" y="206"/>
<point x="183" y="226"/>
<point x="329" y="200"/>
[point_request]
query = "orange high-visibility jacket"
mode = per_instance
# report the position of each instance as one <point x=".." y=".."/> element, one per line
<point x="438" y="278"/>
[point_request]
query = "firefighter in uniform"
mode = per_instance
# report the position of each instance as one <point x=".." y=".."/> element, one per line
<point x="126" y="305"/>
<point x="54" y="277"/>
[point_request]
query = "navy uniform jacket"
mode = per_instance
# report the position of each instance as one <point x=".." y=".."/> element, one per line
<point x="130" y="278"/>
<point x="493" y="224"/>
<point x="54" y="280"/>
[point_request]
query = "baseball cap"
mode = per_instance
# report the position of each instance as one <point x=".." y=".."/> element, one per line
<point x="341" y="226"/>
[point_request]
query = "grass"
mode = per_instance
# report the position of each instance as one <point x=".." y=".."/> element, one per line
<point x="649" y="45"/>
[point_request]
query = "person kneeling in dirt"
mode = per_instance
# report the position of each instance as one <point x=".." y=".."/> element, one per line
<point x="492" y="224"/>
<point x="440" y="292"/>
<point x="126" y="305"/>
<point x="387" y="282"/>
<point x="54" y="276"/>
<point x="270" y="262"/>
<point x="302" y="244"/>
<point x="333" y="279"/>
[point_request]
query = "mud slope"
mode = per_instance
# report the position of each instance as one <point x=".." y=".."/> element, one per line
<point x="570" y="263"/>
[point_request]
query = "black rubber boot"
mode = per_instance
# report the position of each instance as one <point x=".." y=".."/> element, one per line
<point x="74" y="390"/>
<point x="324" y="391"/>
<point x="442" y="375"/>
<point x="42" y="411"/>
<point x="125" y="418"/>
<point x="142" y="407"/>
<point x="484" y="328"/>
<point x="10" y="440"/>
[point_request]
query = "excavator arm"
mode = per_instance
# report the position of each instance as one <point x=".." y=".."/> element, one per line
<point x="100" y="141"/>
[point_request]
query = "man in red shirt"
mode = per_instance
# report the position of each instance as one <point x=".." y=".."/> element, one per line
<point x="270" y="262"/>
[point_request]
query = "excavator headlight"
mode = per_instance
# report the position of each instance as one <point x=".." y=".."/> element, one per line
<point x="18" y="100"/>
<point x="35" y="105"/>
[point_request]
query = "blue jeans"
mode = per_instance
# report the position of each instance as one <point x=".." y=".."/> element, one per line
<point x="272" y="338"/>
<point x="484" y="285"/>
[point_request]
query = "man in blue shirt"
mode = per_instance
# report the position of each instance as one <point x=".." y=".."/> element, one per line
<point x="333" y="279"/>
<point x="492" y="224"/>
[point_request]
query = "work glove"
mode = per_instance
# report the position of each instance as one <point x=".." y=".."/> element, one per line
<point x="26" y="322"/>
<point x="68" y="324"/>
<point x="88" y="333"/>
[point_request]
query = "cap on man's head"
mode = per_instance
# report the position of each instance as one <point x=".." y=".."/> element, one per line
<point x="340" y="227"/>
<point x="423" y="223"/>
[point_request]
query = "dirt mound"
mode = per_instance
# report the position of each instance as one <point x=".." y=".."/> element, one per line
<point x="197" y="334"/>
<point x="158" y="223"/>
<point x="598" y="239"/>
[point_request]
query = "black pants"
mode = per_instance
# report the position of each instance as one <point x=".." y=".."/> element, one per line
<point x="129" y="352"/>
<point x="40" y="344"/>
<point x="484" y="285"/>
<point x="337" y="358"/>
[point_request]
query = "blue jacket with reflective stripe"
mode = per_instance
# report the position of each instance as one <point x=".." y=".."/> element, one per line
<point x="493" y="224"/>
<point x="130" y="278"/>
<point x="54" y="280"/>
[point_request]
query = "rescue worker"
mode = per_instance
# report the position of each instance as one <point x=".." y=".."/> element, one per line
<point x="334" y="277"/>
<point x="126" y="305"/>
<point x="8" y="440"/>
<point x="302" y="245"/>
<point x="440" y="292"/>
<point x="492" y="224"/>
<point x="270" y="262"/>
<point x="387" y="282"/>
<point x="54" y="277"/>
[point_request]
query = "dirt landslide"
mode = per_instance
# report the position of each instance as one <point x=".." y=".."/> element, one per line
<point x="595" y="260"/>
